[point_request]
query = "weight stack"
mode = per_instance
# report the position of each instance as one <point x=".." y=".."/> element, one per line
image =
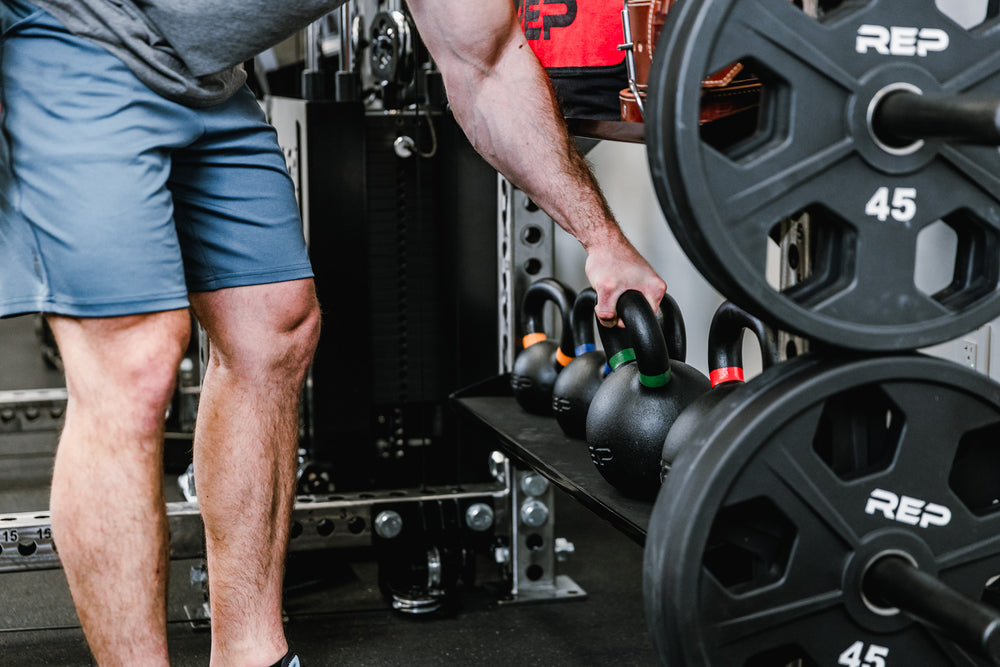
<point x="404" y="253"/>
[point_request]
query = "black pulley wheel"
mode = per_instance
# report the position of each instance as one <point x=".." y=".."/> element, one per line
<point x="765" y="536"/>
<point x="817" y="145"/>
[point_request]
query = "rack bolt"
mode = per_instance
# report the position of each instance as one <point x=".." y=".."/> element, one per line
<point x="479" y="517"/>
<point x="388" y="524"/>
<point x="534" y="513"/>
<point x="534" y="484"/>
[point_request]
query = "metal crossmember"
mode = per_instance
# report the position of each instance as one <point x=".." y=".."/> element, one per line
<point x="32" y="409"/>
<point x="318" y="522"/>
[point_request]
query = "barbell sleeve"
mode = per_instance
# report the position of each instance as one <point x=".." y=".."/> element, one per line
<point x="903" y="117"/>
<point x="896" y="582"/>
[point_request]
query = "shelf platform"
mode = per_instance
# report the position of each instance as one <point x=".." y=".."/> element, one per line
<point x="539" y="443"/>
<point x="611" y="130"/>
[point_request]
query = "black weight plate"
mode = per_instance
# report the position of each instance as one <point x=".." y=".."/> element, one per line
<point x="813" y="151"/>
<point x="761" y="533"/>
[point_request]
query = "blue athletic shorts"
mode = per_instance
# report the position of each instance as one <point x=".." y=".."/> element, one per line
<point x="116" y="201"/>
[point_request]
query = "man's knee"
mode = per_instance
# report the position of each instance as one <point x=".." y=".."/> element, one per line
<point x="303" y="334"/>
<point x="276" y="339"/>
<point x="292" y="337"/>
<point x="133" y="358"/>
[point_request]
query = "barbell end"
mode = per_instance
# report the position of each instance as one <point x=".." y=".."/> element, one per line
<point x="991" y="641"/>
<point x="902" y="117"/>
<point x="897" y="582"/>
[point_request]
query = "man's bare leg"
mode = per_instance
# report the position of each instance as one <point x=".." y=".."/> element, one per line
<point x="262" y="341"/>
<point x="108" y="514"/>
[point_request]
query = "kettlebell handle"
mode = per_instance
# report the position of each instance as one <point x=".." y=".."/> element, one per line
<point x="646" y="338"/>
<point x="615" y="342"/>
<point x="532" y="309"/>
<point x="582" y="319"/>
<point x="672" y="325"/>
<point x="725" y="343"/>
<point x="671" y="322"/>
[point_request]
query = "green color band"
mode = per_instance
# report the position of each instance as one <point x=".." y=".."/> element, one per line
<point x="654" y="381"/>
<point x="623" y="357"/>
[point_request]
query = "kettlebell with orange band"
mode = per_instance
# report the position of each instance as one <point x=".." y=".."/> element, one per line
<point x="539" y="363"/>
<point x="725" y="363"/>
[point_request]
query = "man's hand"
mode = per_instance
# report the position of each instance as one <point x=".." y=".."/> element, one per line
<point x="503" y="100"/>
<point x="616" y="267"/>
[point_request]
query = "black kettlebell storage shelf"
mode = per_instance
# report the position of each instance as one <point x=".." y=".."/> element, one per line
<point x="610" y="130"/>
<point x="538" y="443"/>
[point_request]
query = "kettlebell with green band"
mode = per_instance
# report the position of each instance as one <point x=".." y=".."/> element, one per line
<point x="578" y="382"/>
<point x="725" y="363"/>
<point x="635" y="405"/>
<point x="539" y="363"/>
<point x="672" y="324"/>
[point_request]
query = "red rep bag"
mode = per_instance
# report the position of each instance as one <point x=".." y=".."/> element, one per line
<point x="577" y="44"/>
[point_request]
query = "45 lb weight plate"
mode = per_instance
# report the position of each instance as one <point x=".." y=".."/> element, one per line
<point x="825" y="507"/>
<point x="878" y="121"/>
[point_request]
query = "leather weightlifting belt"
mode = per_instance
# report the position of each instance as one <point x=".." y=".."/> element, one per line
<point x="724" y="93"/>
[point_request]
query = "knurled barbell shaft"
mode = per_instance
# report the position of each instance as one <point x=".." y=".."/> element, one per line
<point x="903" y="117"/>
<point x="894" y="581"/>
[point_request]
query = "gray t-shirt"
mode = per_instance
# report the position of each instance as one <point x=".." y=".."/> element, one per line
<point x="188" y="51"/>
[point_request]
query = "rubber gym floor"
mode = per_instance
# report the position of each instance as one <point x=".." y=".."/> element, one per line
<point x="336" y="614"/>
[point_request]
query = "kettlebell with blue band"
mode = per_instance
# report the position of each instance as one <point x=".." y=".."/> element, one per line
<point x="576" y="385"/>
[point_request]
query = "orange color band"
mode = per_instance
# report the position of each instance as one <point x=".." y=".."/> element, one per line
<point x="532" y="338"/>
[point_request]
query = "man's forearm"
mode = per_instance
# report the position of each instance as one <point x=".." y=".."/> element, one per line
<point x="502" y="98"/>
<point x="507" y="108"/>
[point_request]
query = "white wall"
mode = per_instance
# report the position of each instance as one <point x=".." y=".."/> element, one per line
<point x="623" y="173"/>
<point x="964" y="12"/>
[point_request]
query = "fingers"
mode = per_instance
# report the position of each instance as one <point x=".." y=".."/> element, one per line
<point x="609" y="321"/>
<point x="607" y="302"/>
<point x="654" y="294"/>
<point x="612" y="272"/>
<point x="607" y="299"/>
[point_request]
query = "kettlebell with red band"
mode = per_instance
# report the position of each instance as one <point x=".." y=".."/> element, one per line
<point x="725" y="363"/>
<point x="636" y="404"/>
<point x="541" y="360"/>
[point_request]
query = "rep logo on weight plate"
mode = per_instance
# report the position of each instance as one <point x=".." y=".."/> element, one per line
<point x="900" y="41"/>
<point x="905" y="509"/>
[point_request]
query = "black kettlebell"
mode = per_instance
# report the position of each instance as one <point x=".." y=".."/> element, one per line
<point x="636" y="404"/>
<point x="541" y="360"/>
<point x="672" y="324"/>
<point x="725" y="364"/>
<point x="577" y="384"/>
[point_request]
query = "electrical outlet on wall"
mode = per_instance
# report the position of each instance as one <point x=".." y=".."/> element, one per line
<point x="968" y="353"/>
<point x="974" y="349"/>
<point x="971" y="350"/>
